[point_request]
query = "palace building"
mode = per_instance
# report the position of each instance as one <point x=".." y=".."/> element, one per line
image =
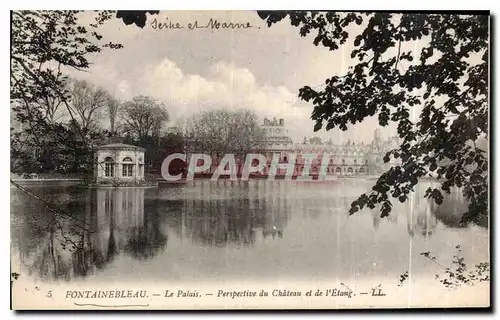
<point x="345" y="159"/>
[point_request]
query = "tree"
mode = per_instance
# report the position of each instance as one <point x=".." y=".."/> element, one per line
<point x="51" y="107"/>
<point x="114" y="106"/>
<point x="144" y="116"/>
<point x="43" y="43"/>
<point x="222" y="131"/>
<point x="447" y="78"/>
<point x="87" y="103"/>
<point x="315" y="140"/>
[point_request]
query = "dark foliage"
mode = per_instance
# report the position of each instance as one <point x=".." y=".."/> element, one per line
<point x="44" y="42"/>
<point x="134" y="17"/>
<point x="447" y="79"/>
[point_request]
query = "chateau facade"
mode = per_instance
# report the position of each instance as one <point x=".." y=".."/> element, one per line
<point x="347" y="159"/>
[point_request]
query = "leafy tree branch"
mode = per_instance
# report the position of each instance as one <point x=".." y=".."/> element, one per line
<point x="447" y="79"/>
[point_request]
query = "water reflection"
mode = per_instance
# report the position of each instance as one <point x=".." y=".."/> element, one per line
<point x="148" y="224"/>
<point x="104" y="224"/>
<point x="222" y="214"/>
<point x="124" y="226"/>
<point x="422" y="221"/>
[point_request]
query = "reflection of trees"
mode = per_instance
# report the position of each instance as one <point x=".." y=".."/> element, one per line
<point x="222" y="214"/>
<point x="147" y="240"/>
<point x="87" y="258"/>
<point x="102" y="224"/>
<point x="421" y="219"/>
<point x="49" y="262"/>
<point x="452" y="209"/>
<point x="219" y="222"/>
<point x="67" y="248"/>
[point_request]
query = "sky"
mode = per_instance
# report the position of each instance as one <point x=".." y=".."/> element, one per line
<point x="260" y="68"/>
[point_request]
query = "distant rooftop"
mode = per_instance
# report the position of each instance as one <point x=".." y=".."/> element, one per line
<point x="120" y="146"/>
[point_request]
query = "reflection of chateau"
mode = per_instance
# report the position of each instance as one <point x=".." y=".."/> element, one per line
<point x="217" y="216"/>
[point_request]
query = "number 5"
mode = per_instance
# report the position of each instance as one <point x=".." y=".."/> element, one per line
<point x="49" y="294"/>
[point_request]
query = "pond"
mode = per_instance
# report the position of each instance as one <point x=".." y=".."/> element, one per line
<point x="204" y="232"/>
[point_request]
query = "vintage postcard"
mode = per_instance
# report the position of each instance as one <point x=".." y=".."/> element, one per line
<point x="197" y="160"/>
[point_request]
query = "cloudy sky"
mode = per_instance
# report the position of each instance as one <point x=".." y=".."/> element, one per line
<point x="260" y="68"/>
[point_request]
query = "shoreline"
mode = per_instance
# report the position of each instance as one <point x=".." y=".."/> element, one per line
<point x="160" y="181"/>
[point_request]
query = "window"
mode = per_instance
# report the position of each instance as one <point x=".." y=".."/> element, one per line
<point x="361" y="170"/>
<point x="338" y="169"/>
<point x="366" y="161"/>
<point x="349" y="170"/>
<point x="109" y="167"/>
<point x="354" y="161"/>
<point x="127" y="167"/>
<point x="343" y="161"/>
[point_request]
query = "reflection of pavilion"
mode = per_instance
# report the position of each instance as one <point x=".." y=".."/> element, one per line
<point x="119" y="210"/>
<point x="124" y="226"/>
<point x="114" y="224"/>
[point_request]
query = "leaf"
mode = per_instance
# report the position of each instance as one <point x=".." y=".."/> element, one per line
<point x="318" y="126"/>
<point x="357" y="40"/>
<point x="433" y="166"/>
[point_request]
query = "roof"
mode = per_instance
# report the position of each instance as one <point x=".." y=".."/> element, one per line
<point x="120" y="146"/>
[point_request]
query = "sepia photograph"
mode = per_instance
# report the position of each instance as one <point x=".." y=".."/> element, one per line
<point x="249" y="160"/>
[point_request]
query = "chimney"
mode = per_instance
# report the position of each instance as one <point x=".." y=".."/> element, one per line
<point x="282" y="122"/>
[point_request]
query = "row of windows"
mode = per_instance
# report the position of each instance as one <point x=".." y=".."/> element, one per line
<point x="331" y="169"/>
<point x="109" y="167"/>
<point x="127" y="170"/>
<point x="285" y="158"/>
<point x="338" y="169"/>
